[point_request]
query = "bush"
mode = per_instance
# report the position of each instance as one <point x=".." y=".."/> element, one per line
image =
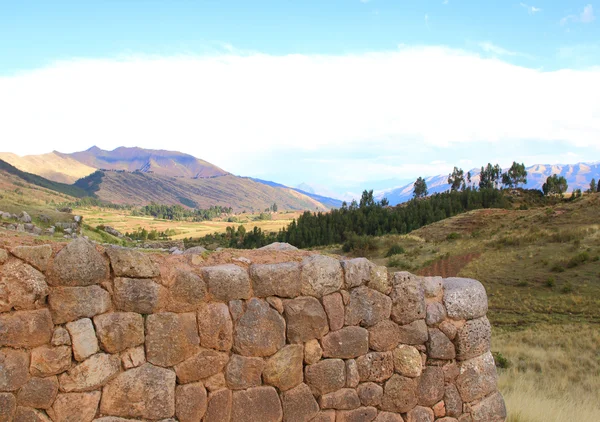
<point x="394" y="250"/>
<point x="578" y="259"/>
<point x="557" y="268"/>
<point x="397" y="262"/>
<point x="501" y="361"/>
<point x="453" y="236"/>
<point x="359" y="244"/>
<point x="567" y="288"/>
<point x="550" y="282"/>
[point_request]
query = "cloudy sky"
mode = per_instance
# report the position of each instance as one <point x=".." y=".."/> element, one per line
<point x="347" y="94"/>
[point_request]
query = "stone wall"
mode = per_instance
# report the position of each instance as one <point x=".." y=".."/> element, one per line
<point x="88" y="333"/>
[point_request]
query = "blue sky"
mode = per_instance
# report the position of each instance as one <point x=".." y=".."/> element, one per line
<point x="347" y="94"/>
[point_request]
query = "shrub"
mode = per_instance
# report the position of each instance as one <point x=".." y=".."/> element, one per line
<point x="501" y="361"/>
<point x="394" y="250"/>
<point x="567" y="288"/>
<point x="557" y="268"/>
<point x="578" y="259"/>
<point x="397" y="262"/>
<point x="522" y="283"/>
<point x="550" y="282"/>
<point x="359" y="244"/>
<point x="453" y="236"/>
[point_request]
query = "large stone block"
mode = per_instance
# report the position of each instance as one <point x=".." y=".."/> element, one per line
<point x="83" y="337"/>
<point x="432" y="286"/>
<point x="352" y="373"/>
<point x="370" y="394"/>
<point x="188" y="292"/>
<point x="388" y="417"/>
<point x="28" y="414"/>
<point x="90" y="374"/>
<point x="367" y="307"/>
<point x="119" y="331"/>
<point x="384" y="336"/>
<point x="334" y="307"/>
<point x="71" y="303"/>
<point x="139" y="295"/>
<point x="399" y="394"/>
<point x="435" y="313"/>
<point x="321" y="275"/>
<point x="256" y="404"/>
<point x="380" y="280"/>
<point x="477" y="378"/>
<point x="219" y="406"/>
<point x="22" y="287"/>
<point x="46" y="360"/>
<point x="431" y="386"/>
<point x="439" y="345"/>
<point x="299" y="405"/>
<point x="473" y="339"/>
<point x="244" y="372"/>
<point x="75" y="407"/>
<point x="362" y="414"/>
<point x="130" y="263"/>
<point x="215" y="326"/>
<point x="190" y="402"/>
<point x="357" y="272"/>
<point x="347" y="343"/>
<point x="413" y="333"/>
<point x="325" y="376"/>
<point x="490" y="409"/>
<point x="452" y="400"/>
<point x="420" y="414"/>
<point x="464" y="298"/>
<point x="312" y="351"/>
<point x="14" y="369"/>
<point x="407" y="361"/>
<point x="281" y="280"/>
<point x="306" y="319"/>
<point x="38" y="393"/>
<point x="204" y="364"/>
<point x="171" y="338"/>
<point x="38" y="256"/>
<point x="260" y="331"/>
<point x="78" y="264"/>
<point x="408" y="298"/>
<point x="134" y="357"/>
<point x="146" y="392"/>
<point x="8" y="405"/>
<point x="26" y="328"/>
<point x="344" y="399"/>
<point x="375" y="366"/>
<point x="60" y="337"/>
<point x="284" y="369"/>
<point x="227" y="282"/>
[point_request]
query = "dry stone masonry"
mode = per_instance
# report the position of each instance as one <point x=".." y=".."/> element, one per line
<point x="110" y="335"/>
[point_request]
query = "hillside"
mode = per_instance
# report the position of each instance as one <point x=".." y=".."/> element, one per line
<point x="240" y="193"/>
<point x="166" y="163"/>
<point x="52" y="166"/>
<point x="328" y="201"/>
<point x="578" y="177"/>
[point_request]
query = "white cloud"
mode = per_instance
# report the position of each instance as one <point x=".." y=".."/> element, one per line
<point x="586" y="16"/>
<point x="532" y="10"/>
<point x="229" y="108"/>
<point x="489" y="47"/>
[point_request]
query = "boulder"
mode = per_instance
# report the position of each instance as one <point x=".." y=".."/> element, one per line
<point x="60" y="337"/>
<point x="334" y="308"/>
<point x="473" y="339"/>
<point x="256" y="404"/>
<point x="146" y="392"/>
<point x="388" y="417"/>
<point x="367" y="307"/>
<point x="347" y="343"/>
<point x="357" y="272"/>
<point x="8" y="406"/>
<point x="227" y="282"/>
<point x="139" y="295"/>
<point x="90" y="374"/>
<point x="306" y="319"/>
<point x="204" y="364"/>
<point x="24" y="217"/>
<point x="14" y="369"/>
<point x="435" y="313"/>
<point x="399" y="394"/>
<point x="196" y="250"/>
<point x="312" y="351"/>
<point x="118" y="331"/>
<point x="352" y="373"/>
<point x="408" y="298"/>
<point x="130" y="263"/>
<point x="215" y="326"/>
<point x="344" y="399"/>
<point x="362" y="414"/>
<point x="260" y="331"/>
<point x="278" y="246"/>
<point x="219" y="406"/>
<point x="432" y="286"/>
<point x="299" y="405"/>
<point x="439" y="346"/>
<point x="191" y="401"/>
<point x="370" y="394"/>
<point x="71" y="303"/>
<point x="431" y="386"/>
<point x="325" y="376"/>
<point x="452" y="400"/>
<point x="83" y="337"/>
<point x="38" y="393"/>
<point x="78" y="264"/>
<point x="375" y="366"/>
<point x="321" y="275"/>
<point x="171" y="338"/>
<point x="134" y="357"/>
<point x="22" y="287"/>
<point x="75" y="407"/>
<point x="47" y="361"/>
<point x="420" y="414"/>
<point x="26" y="329"/>
<point x="379" y="280"/>
<point x="464" y="298"/>
<point x="284" y="369"/>
<point x="188" y="292"/>
<point x="384" y="336"/>
<point x="490" y="409"/>
<point x="244" y="372"/>
<point x="477" y="378"/>
<point x="37" y="256"/>
<point x="413" y="333"/>
<point x="407" y="361"/>
<point x="27" y="414"/>
<point x="281" y="280"/>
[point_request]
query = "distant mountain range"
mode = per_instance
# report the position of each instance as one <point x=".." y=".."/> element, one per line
<point x="578" y="176"/>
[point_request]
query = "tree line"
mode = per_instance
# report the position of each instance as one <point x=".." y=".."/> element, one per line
<point x="178" y="213"/>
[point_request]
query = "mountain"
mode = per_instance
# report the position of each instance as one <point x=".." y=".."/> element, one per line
<point x="53" y="166"/>
<point x="166" y="163"/>
<point x="325" y="200"/>
<point x="578" y="176"/>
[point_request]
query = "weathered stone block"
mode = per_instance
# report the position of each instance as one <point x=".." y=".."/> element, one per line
<point x="370" y="394"/>
<point x="388" y="417"/>
<point x="90" y="374"/>
<point x="384" y="336"/>
<point x="119" y="331"/>
<point x="75" y="407"/>
<point x="439" y="346"/>
<point x="60" y="337"/>
<point x="408" y="298"/>
<point x="362" y="414"/>
<point x="171" y="338"/>
<point x="367" y="307"/>
<point x="8" y="403"/>
<point x="435" y="313"/>
<point x="431" y="386"/>
<point x="46" y="360"/>
<point x="399" y="394"/>
<point x="215" y="326"/>
<point x="449" y="329"/>
<point x="219" y="406"/>
<point x="281" y="280"/>
<point x="204" y="364"/>
<point x="344" y="399"/>
<point x="188" y="292"/>
<point x="244" y="372"/>
<point x="325" y="376"/>
<point x="71" y="303"/>
<point x="312" y="351"/>
<point x="38" y="393"/>
<point x="464" y="298"/>
<point x="477" y="378"/>
<point x="420" y="414"/>
<point x="334" y="307"/>
<point x="139" y="295"/>
<point x="146" y="392"/>
<point x="375" y="366"/>
<point x="38" y="256"/>
<point x="321" y="275"/>
<point x="134" y="357"/>
<point x="78" y="264"/>
<point x="299" y="405"/>
<point x="432" y="286"/>
<point x="227" y="282"/>
<point x="325" y="416"/>
<point x="83" y="337"/>
<point x="27" y="414"/>
<point x="256" y="404"/>
<point x="26" y="328"/>
<point x="473" y="339"/>
<point x="357" y="272"/>
<point x="347" y="343"/>
<point x="352" y="374"/>
<point x="306" y="319"/>
<point x="452" y="400"/>
<point x="407" y="361"/>
<point x="413" y="333"/>
<point x="130" y="263"/>
<point x="490" y="409"/>
<point x="22" y="287"/>
<point x="260" y="331"/>
<point x="284" y="369"/>
<point x="14" y="369"/>
<point x="191" y="401"/>
<point x="379" y="280"/>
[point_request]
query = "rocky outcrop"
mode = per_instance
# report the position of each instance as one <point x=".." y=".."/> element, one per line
<point x="117" y="335"/>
